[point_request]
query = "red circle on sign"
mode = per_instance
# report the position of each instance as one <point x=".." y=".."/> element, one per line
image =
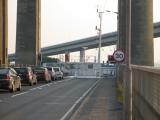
<point x="119" y="55"/>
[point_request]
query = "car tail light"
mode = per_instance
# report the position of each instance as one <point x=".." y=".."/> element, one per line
<point x="27" y="75"/>
<point x="44" y="74"/>
<point x="7" y="77"/>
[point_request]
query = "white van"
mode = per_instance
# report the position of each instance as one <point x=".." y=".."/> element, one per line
<point x="58" y="73"/>
<point x="52" y="73"/>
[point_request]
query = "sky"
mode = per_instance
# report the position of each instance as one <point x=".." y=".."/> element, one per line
<point x="69" y="20"/>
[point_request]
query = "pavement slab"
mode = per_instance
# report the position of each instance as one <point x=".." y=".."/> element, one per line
<point x="101" y="103"/>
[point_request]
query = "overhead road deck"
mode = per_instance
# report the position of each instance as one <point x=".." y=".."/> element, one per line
<point x="90" y="43"/>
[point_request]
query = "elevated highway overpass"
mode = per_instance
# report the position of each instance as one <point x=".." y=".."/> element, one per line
<point x="90" y="43"/>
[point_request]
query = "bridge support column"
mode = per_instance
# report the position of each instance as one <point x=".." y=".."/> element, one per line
<point x="82" y="55"/>
<point x="3" y="32"/>
<point x="67" y="57"/>
<point x="139" y="49"/>
<point x="142" y="33"/>
<point x="28" y="32"/>
<point x="122" y="24"/>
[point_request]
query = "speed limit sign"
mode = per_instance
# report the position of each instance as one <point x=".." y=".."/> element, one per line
<point x="119" y="55"/>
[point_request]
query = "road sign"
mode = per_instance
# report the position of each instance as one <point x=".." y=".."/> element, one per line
<point x="119" y="55"/>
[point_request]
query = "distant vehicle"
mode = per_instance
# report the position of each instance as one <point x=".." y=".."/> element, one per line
<point x="58" y="73"/>
<point x="27" y="75"/>
<point x="9" y="79"/>
<point x="42" y="74"/>
<point x="52" y="72"/>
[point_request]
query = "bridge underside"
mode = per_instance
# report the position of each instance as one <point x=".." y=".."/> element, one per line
<point x="90" y="43"/>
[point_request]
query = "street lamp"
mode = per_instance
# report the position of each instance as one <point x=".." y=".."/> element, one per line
<point x="117" y="25"/>
<point x="100" y="13"/>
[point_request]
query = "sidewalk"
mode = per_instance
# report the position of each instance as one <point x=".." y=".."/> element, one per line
<point x="101" y="104"/>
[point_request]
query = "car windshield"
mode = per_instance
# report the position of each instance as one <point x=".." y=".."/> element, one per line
<point x="56" y="69"/>
<point x="50" y="69"/>
<point x="20" y="70"/>
<point x="4" y="71"/>
<point x="39" y="69"/>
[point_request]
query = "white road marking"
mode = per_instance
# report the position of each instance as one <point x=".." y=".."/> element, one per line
<point x="19" y="94"/>
<point x="69" y="112"/>
<point x="56" y="103"/>
<point x="33" y="89"/>
<point x="43" y="85"/>
<point x="39" y="87"/>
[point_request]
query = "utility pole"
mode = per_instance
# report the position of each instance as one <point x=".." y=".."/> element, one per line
<point x="116" y="13"/>
<point x="100" y="13"/>
<point x="100" y="34"/>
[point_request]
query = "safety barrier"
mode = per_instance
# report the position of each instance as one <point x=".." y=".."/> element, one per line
<point x="145" y="93"/>
<point x="108" y="71"/>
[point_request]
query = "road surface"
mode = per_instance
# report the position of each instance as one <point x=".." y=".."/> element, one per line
<point x="44" y="101"/>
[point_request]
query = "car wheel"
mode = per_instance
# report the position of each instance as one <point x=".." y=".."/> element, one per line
<point x="52" y="78"/>
<point x="31" y="83"/>
<point x="12" y="89"/>
<point x="19" y="88"/>
<point x="36" y="82"/>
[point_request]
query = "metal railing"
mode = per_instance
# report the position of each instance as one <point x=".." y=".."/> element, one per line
<point x="108" y="72"/>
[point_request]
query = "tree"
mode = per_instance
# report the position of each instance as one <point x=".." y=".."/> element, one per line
<point x="46" y="59"/>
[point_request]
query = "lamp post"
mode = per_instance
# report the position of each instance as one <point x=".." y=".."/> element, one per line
<point x="117" y="26"/>
<point x="100" y="13"/>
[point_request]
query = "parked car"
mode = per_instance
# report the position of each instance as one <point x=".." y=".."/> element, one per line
<point x="52" y="72"/>
<point x="9" y="79"/>
<point x="42" y="74"/>
<point x="58" y="73"/>
<point x="27" y="75"/>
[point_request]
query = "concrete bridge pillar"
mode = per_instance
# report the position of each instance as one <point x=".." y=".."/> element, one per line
<point x="28" y="32"/>
<point x="3" y="32"/>
<point x="142" y="32"/>
<point x="139" y="47"/>
<point x="67" y="57"/>
<point x="122" y="24"/>
<point x="82" y="55"/>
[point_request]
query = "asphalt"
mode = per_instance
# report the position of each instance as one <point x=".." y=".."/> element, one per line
<point x="50" y="101"/>
<point x="100" y="104"/>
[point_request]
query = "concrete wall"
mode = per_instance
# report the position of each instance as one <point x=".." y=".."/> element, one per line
<point x="146" y="93"/>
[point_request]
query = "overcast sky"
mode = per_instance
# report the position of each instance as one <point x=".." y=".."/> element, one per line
<point x="68" y="20"/>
